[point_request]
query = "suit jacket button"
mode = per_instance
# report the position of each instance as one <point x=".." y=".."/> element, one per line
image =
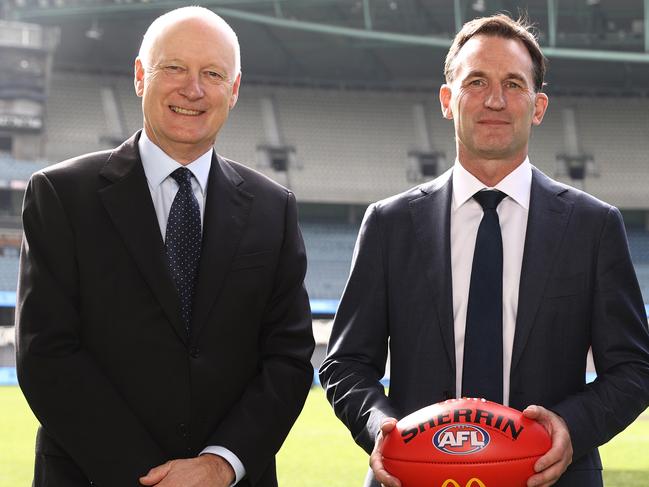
<point x="195" y="352"/>
<point x="183" y="430"/>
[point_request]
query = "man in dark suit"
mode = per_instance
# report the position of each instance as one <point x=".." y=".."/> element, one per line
<point x="493" y="281"/>
<point x="164" y="332"/>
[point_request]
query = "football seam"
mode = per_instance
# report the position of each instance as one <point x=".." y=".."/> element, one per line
<point x="462" y="462"/>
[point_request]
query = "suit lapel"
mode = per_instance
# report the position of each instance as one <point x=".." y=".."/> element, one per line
<point x="546" y="225"/>
<point x="128" y="202"/>
<point x="226" y="216"/>
<point x="431" y="216"/>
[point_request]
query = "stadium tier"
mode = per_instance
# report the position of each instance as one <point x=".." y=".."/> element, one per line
<point x="354" y="146"/>
<point x="345" y="147"/>
<point x="639" y="245"/>
<point x="329" y="248"/>
<point x="8" y="276"/>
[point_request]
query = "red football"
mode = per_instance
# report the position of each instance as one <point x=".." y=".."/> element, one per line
<point x="465" y="443"/>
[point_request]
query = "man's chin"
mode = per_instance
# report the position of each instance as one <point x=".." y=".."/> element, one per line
<point x="190" y="140"/>
<point x="184" y="146"/>
<point x="497" y="150"/>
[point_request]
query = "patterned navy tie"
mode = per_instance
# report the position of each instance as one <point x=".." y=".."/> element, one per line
<point x="183" y="242"/>
<point x="482" y="373"/>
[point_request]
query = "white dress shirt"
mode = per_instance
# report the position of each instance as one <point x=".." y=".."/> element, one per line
<point x="157" y="168"/>
<point x="466" y="214"/>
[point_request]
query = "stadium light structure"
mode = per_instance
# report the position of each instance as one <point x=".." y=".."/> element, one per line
<point x="94" y="32"/>
<point x="646" y="26"/>
<point x="224" y="8"/>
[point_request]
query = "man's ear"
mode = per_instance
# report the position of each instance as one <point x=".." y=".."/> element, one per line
<point x="540" y="106"/>
<point x="138" y="78"/>
<point x="235" y="91"/>
<point x="445" y="95"/>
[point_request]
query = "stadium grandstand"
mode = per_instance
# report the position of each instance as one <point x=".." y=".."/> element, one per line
<point x="338" y="102"/>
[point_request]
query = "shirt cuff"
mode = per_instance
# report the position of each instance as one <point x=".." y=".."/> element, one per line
<point x="231" y="458"/>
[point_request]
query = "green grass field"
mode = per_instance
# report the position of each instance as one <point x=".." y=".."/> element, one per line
<point x="319" y="451"/>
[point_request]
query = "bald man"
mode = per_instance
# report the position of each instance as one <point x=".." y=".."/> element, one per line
<point x="164" y="333"/>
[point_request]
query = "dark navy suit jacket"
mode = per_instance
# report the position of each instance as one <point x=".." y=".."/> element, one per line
<point x="578" y="289"/>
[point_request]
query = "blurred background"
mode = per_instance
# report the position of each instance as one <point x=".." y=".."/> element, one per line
<point x="338" y="102"/>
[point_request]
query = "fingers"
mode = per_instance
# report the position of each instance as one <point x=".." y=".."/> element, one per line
<point x="531" y="412"/>
<point x="380" y="473"/>
<point x="376" y="458"/>
<point x="550" y="466"/>
<point x="547" y="477"/>
<point x="554" y="463"/>
<point x="559" y="453"/>
<point x="388" y="425"/>
<point x="535" y="412"/>
<point x="156" y="474"/>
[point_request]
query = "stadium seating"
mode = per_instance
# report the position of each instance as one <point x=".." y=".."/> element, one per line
<point x="13" y="170"/>
<point x="329" y="248"/>
<point x="8" y="273"/>
<point x="75" y="119"/>
<point x="352" y="147"/>
<point x="639" y="246"/>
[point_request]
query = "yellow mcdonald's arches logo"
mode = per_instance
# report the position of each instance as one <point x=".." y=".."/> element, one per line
<point x="474" y="482"/>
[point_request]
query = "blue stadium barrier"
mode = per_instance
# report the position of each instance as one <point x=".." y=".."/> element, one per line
<point x="324" y="306"/>
<point x="8" y="376"/>
<point x="7" y="299"/>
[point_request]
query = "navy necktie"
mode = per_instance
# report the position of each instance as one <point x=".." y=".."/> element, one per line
<point x="183" y="242"/>
<point x="482" y="374"/>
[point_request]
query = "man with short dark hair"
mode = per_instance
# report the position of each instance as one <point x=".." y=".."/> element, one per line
<point x="493" y="281"/>
<point x="163" y="329"/>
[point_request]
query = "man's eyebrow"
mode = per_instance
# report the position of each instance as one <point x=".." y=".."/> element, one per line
<point x="475" y="74"/>
<point x="518" y="77"/>
<point x="481" y="74"/>
<point x="215" y="66"/>
<point x="169" y="60"/>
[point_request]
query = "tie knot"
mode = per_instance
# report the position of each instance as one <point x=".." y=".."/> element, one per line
<point x="182" y="175"/>
<point x="489" y="199"/>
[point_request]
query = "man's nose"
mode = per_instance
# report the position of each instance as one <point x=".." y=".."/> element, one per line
<point x="192" y="87"/>
<point x="495" y="97"/>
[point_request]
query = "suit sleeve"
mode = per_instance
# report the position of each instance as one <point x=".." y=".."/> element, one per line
<point x="620" y="344"/>
<point x="75" y="403"/>
<point x="358" y="346"/>
<point x="258" y="424"/>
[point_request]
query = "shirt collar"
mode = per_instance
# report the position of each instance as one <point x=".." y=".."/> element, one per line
<point x="158" y="165"/>
<point x="517" y="184"/>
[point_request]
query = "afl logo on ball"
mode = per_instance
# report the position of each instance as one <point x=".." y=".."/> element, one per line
<point x="461" y="439"/>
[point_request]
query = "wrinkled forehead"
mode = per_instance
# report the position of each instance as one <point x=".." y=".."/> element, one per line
<point x="183" y="34"/>
<point x="493" y="55"/>
<point x="198" y="39"/>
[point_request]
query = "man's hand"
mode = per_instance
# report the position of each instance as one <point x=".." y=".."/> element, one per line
<point x="551" y="465"/>
<point x="376" y="458"/>
<point x="203" y="471"/>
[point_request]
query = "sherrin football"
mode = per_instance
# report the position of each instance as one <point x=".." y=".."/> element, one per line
<point x="465" y="443"/>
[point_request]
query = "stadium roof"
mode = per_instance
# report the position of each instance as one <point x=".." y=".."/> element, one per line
<point x="593" y="46"/>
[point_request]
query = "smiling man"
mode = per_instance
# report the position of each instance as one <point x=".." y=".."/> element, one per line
<point x="493" y="281"/>
<point x="163" y="329"/>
